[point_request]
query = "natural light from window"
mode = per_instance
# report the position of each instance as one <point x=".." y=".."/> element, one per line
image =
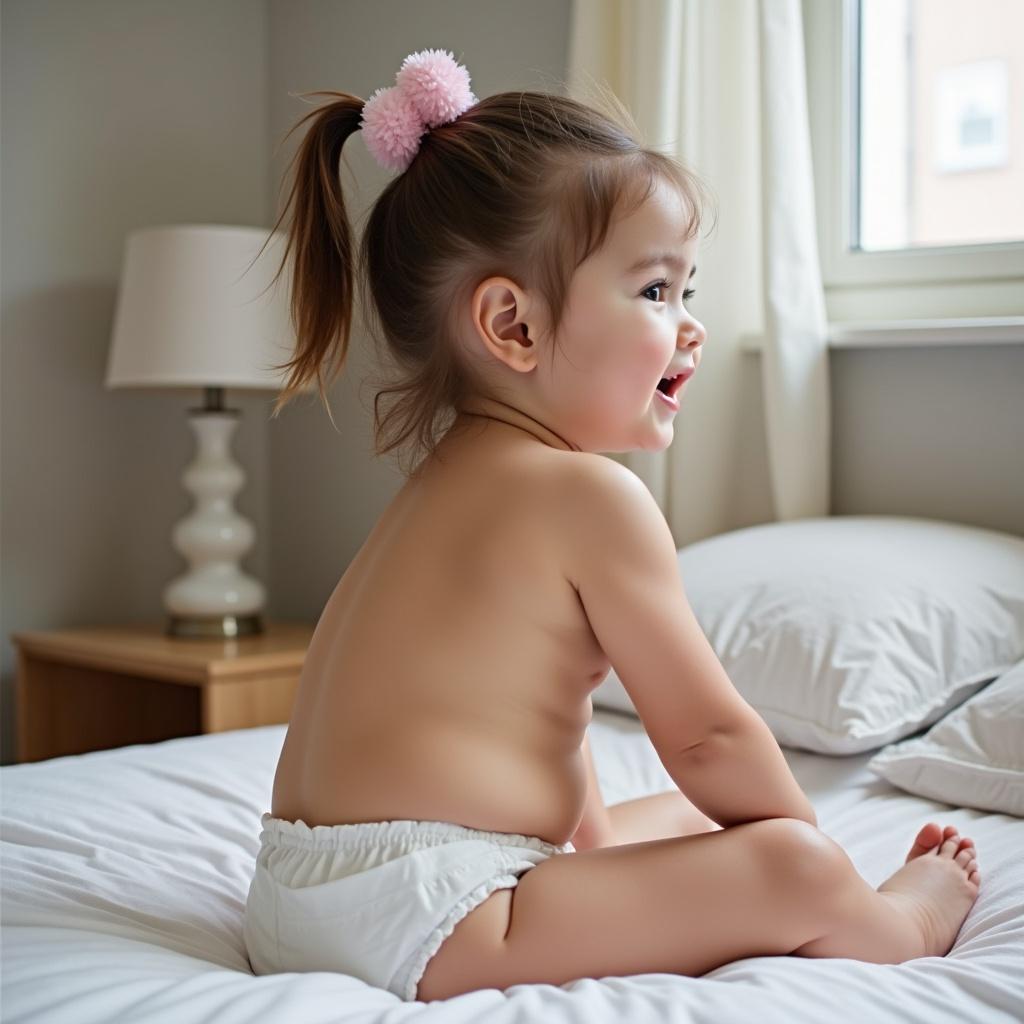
<point x="941" y="102"/>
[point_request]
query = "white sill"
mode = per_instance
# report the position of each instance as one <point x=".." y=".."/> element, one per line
<point x="991" y="330"/>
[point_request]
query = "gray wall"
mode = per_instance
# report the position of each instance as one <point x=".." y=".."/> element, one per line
<point x="122" y="113"/>
<point x="116" y="114"/>
<point x="930" y="431"/>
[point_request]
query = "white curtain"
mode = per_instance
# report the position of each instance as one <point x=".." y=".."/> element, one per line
<point x="720" y="84"/>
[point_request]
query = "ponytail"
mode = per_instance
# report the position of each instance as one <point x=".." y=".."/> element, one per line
<point x="322" y="273"/>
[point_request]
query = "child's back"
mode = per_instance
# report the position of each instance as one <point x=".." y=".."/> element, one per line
<point x="449" y="676"/>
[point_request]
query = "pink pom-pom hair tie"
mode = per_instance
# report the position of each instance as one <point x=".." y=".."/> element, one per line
<point x="430" y="89"/>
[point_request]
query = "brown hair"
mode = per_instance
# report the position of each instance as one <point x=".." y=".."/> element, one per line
<point x="522" y="184"/>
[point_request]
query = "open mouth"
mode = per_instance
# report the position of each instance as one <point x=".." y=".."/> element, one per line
<point x="670" y="385"/>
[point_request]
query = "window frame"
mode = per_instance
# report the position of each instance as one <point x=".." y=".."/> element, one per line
<point x="831" y="32"/>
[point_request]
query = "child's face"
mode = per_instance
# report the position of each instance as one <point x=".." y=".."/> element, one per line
<point x="623" y="331"/>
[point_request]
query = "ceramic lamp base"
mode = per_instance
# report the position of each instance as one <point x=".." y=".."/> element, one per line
<point x="214" y="598"/>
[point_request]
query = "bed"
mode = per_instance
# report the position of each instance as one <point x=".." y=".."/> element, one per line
<point x="887" y="655"/>
<point x="125" y="874"/>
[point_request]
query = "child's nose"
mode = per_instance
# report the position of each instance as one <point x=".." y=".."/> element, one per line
<point x="692" y="335"/>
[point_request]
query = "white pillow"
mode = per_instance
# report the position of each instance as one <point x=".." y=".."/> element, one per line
<point x="974" y="757"/>
<point x="851" y="632"/>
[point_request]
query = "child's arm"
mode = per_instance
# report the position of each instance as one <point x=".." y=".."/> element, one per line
<point x="624" y="566"/>
<point x="735" y="767"/>
<point x="659" y="816"/>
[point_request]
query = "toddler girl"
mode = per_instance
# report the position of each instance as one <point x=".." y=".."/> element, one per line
<point x="436" y="824"/>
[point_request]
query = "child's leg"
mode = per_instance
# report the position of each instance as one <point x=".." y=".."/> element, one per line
<point x="660" y="816"/>
<point x="684" y="906"/>
<point x="935" y="889"/>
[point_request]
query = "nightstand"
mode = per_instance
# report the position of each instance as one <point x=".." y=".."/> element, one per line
<point x="92" y="689"/>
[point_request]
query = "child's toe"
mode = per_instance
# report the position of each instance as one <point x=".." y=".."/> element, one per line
<point x="949" y="847"/>
<point x="927" y="839"/>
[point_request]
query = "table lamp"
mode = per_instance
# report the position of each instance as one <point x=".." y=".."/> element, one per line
<point x="196" y="308"/>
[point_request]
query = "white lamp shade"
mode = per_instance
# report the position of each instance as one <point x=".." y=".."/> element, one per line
<point x="196" y="308"/>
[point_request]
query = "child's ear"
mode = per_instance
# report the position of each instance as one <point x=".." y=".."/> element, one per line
<point x="501" y="315"/>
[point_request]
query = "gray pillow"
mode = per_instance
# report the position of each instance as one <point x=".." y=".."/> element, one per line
<point x="974" y="757"/>
<point x="850" y="632"/>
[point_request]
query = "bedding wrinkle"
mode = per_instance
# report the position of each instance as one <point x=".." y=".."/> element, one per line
<point x="66" y="956"/>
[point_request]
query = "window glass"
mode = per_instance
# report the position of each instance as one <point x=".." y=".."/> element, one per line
<point x="940" y="118"/>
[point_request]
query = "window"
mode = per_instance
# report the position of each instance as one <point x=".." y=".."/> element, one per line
<point x="933" y="161"/>
<point x="918" y="154"/>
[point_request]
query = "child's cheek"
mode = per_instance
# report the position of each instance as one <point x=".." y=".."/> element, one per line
<point x="652" y="355"/>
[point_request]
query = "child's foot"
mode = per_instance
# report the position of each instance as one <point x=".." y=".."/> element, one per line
<point x="930" y="836"/>
<point x="938" y="884"/>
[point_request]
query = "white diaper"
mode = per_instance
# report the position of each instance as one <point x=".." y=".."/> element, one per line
<point x="374" y="900"/>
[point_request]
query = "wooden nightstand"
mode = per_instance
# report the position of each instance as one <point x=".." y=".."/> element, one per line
<point x="91" y="689"/>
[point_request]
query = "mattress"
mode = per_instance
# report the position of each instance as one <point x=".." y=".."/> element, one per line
<point x="124" y="875"/>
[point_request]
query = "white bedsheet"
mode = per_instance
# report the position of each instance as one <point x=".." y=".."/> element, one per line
<point x="124" y="875"/>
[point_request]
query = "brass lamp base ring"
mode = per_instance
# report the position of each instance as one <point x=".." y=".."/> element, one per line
<point x="218" y="627"/>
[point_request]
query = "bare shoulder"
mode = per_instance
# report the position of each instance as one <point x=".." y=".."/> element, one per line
<point x="603" y="504"/>
<point x="592" y="475"/>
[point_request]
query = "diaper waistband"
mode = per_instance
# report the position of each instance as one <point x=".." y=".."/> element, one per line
<point x="281" y="832"/>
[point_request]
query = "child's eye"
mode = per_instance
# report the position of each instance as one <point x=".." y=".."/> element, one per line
<point x="657" y="284"/>
<point x="687" y="294"/>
